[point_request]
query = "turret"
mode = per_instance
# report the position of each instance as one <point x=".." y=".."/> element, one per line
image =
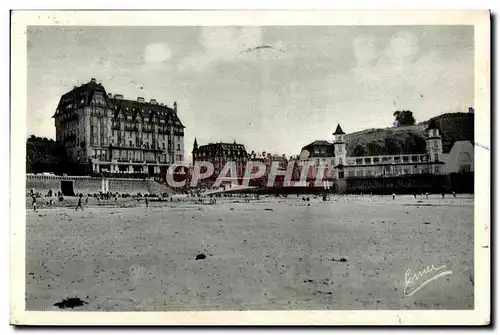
<point x="434" y="143"/>
<point x="339" y="146"/>
<point x="195" y="149"/>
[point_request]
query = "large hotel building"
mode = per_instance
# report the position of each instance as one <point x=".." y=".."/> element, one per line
<point x="110" y="134"/>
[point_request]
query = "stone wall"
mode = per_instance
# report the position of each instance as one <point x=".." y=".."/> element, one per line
<point x="87" y="185"/>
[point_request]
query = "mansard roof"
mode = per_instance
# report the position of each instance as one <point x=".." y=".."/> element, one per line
<point x="82" y="96"/>
<point x="214" y="149"/>
<point x="323" y="149"/>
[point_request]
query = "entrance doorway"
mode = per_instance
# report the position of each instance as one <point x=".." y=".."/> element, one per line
<point x="151" y="171"/>
<point x="67" y="188"/>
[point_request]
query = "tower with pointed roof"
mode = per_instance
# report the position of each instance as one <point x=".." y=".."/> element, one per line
<point x="434" y="143"/>
<point x="339" y="146"/>
<point x="195" y="149"/>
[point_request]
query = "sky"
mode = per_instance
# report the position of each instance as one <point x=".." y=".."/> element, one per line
<point x="275" y="99"/>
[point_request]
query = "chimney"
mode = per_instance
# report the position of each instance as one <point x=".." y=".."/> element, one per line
<point x="153" y="101"/>
<point x="92" y="80"/>
<point x="161" y="104"/>
<point x="110" y="96"/>
<point x="140" y="99"/>
<point x="118" y="96"/>
<point x="471" y="110"/>
<point x="175" y="107"/>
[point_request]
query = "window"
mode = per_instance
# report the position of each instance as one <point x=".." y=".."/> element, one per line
<point x="178" y="146"/>
<point x="341" y="161"/>
<point x="436" y="170"/>
<point x="436" y="157"/>
<point x="376" y="160"/>
<point x="359" y="161"/>
<point x="130" y="143"/>
<point x="368" y="160"/>
<point x="94" y="135"/>
<point x="406" y="159"/>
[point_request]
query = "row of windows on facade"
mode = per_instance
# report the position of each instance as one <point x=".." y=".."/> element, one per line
<point x="204" y="154"/>
<point x="322" y="151"/>
<point x="389" y="170"/>
<point x="388" y="159"/>
<point x="340" y="150"/>
<point x="134" y="156"/>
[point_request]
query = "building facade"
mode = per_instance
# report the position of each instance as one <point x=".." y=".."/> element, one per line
<point x="219" y="154"/>
<point x="114" y="135"/>
<point x="334" y="157"/>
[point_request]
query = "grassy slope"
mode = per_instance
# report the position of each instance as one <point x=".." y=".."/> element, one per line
<point x="409" y="139"/>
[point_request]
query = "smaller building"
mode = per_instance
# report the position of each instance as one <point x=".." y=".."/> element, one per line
<point x="333" y="155"/>
<point x="219" y="154"/>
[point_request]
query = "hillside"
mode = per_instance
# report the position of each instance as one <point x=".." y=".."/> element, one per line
<point x="410" y="139"/>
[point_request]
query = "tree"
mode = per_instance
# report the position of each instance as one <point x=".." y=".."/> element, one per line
<point x="404" y="118"/>
<point x="359" y="150"/>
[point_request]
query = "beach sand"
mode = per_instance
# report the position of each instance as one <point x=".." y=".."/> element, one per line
<point x="271" y="254"/>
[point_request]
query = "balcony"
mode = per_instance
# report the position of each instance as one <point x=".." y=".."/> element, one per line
<point x="131" y="128"/>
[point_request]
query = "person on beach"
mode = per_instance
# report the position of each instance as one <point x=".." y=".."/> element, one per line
<point x="454" y="195"/>
<point x="393" y="196"/>
<point x="79" y="203"/>
<point x="34" y="202"/>
<point x="146" y="201"/>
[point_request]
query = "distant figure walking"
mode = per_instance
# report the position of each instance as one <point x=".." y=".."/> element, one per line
<point x="442" y="194"/>
<point x="393" y="196"/>
<point x="454" y="195"/>
<point x="146" y="201"/>
<point x="414" y="195"/>
<point x="34" y="202"/>
<point x="79" y="203"/>
<point x="87" y="200"/>
<point x="427" y="195"/>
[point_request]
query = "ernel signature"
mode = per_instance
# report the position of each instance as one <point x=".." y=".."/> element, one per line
<point x="411" y="278"/>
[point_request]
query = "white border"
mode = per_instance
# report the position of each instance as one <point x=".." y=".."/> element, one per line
<point x="481" y="21"/>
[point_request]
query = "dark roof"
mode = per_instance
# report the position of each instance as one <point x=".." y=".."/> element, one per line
<point x="339" y="130"/>
<point x="82" y="96"/>
<point x="322" y="149"/>
<point x="216" y="149"/>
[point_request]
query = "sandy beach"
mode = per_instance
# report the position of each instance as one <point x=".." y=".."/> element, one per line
<point x="350" y="252"/>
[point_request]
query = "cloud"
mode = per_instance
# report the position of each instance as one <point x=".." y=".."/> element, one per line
<point x="157" y="53"/>
<point x="221" y="44"/>
<point x="364" y="50"/>
<point x="402" y="48"/>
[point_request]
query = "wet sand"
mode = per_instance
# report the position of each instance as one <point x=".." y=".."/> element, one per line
<point x="271" y="254"/>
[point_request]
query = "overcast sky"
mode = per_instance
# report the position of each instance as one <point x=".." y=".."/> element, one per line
<point x="268" y="100"/>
